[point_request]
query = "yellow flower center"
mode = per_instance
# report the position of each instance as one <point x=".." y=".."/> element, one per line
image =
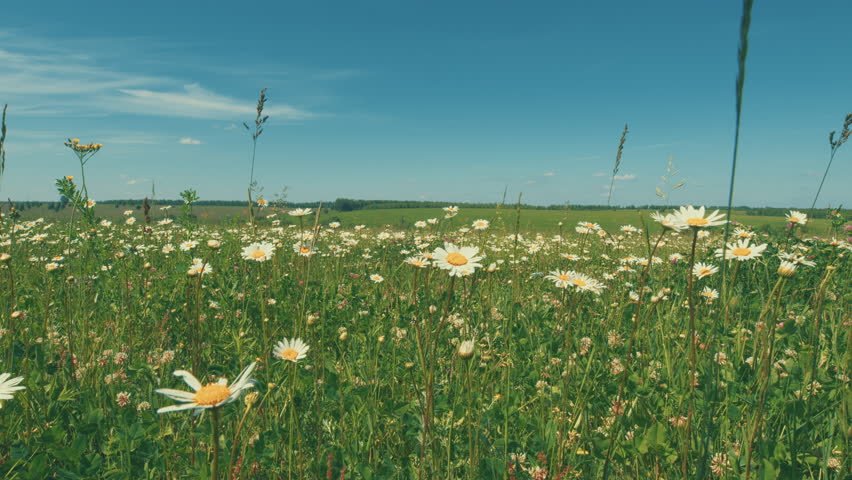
<point x="794" y="219"/>
<point x="579" y="283"/>
<point x="741" y="252"/>
<point x="258" y="254"/>
<point x="212" y="394"/>
<point x="563" y="277"/>
<point x="697" y="221"/>
<point x="289" y="354"/>
<point x="704" y="271"/>
<point x="456" y="259"/>
<point x="304" y="250"/>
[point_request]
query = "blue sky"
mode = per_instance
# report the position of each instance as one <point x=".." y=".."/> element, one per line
<point x="427" y="100"/>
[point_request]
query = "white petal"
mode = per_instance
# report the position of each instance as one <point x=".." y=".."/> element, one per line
<point x="189" y="379"/>
<point x="178" y="395"/>
<point x="177" y="408"/>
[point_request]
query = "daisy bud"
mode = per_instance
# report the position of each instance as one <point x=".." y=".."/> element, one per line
<point x="5" y="257"/>
<point x="251" y="399"/>
<point x="786" y="269"/>
<point x="409" y="364"/>
<point x="213" y="244"/>
<point x="382" y="339"/>
<point x="343" y="336"/>
<point x="433" y="309"/>
<point x="466" y="349"/>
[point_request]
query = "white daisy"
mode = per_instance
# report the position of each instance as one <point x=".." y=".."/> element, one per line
<point x="562" y="279"/>
<point x="481" y="224"/>
<point x="259" y="252"/>
<point x="208" y="396"/>
<point x="741" y="250"/>
<point x="702" y="270"/>
<point x="787" y="269"/>
<point x="709" y="294"/>
<point x="797" y="218"/>
<point x="299" y="212"/>
<point x="303" y="248"/>
<point x="460" y="261"/>
<point x="291" y="350"/>
<point x="9" y="386"/>
<point x="690" y="216"/>
<point x="418" y="262"/>
<point x="199" y="267"/>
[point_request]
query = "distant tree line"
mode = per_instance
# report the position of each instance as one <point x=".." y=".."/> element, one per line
<point x="350" y="205"/>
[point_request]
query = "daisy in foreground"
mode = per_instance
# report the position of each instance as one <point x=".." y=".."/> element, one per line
<point x="9" y="386"/>
<point x="460" y="261"/>
<point x="291" y="350"/>
<point x="203" y="397"/>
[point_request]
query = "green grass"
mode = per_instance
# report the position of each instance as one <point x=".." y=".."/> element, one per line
<point x="383" y="392"/>
<point x="531" y="220"/>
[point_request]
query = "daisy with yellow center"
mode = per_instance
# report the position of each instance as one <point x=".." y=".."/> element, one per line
<point x="692" y="217"/>
<point x="589" y="225"/>
<point x="199" y="267"/>
<point x="580" y="282"/>
<point x="459" y="261"/>
<point x="481" y="224"/>
<point x="797" y="218"/>
<point x="212" y="395"/>
<point x="418" y="262"/>
<point x="376" y="278"/>
<point x="786" y="269"/>
<point x="291" y="350"/>
<point x="741" y="250"/>
<point x="259" y="252"/>
<point x="303" y="249"/>
<point x="742" y="233"/>
<point x="709" y="294"/>
<point x="560" y="278"/>
<point x="702" y="270"/>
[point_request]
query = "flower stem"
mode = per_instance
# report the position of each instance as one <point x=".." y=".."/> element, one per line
<point x="215" y="442"/>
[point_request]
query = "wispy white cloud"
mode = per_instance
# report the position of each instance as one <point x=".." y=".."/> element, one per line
<point x="626" y="176"/>
<point x="39" y="78"/>
<point x="550" y="174"/>
<point x="189" y="141"/>
<point x="599" y="174"/>
<point x="196" y="102"/>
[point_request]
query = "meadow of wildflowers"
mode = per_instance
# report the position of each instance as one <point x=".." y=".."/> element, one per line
<point x="294" y="347"/>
